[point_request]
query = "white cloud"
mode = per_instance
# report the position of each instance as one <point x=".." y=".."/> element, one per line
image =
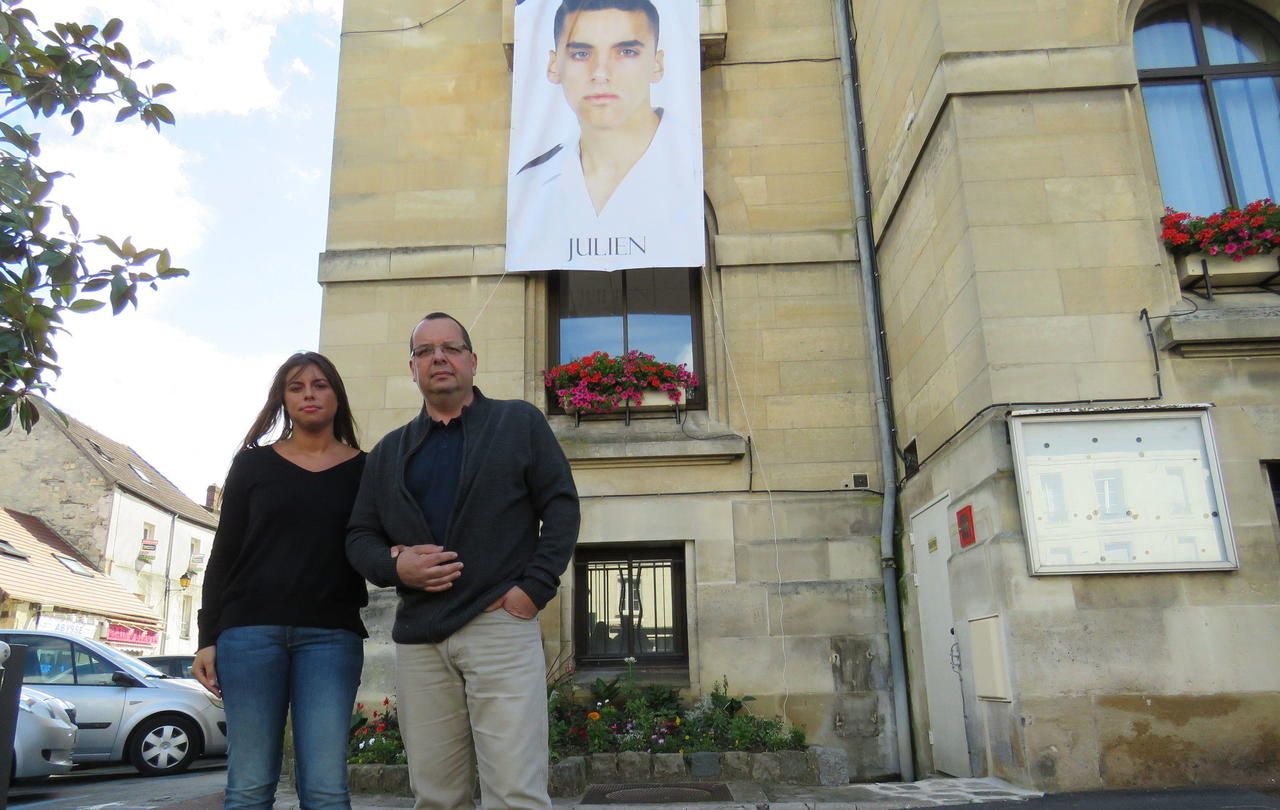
<point x="300" y="67"/>
<point x="214" y="53"/>
<point x="128" y="180"/>
<point x="180" y="402"/>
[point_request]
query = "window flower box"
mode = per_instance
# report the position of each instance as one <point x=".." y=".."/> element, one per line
<point x="1224" y="271"/>
<point x="601" y="383"/>
<point x="1236" y="247"/>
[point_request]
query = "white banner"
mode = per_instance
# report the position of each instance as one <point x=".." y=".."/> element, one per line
<point x="605" y="169"/>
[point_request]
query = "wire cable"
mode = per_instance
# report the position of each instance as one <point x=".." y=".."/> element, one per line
<point x="413" y="27"/>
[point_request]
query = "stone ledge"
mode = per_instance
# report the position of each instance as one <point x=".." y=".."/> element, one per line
<point x="819" y="765"/>
<point x="648" y="442"/>
<point x="785" y="248"/>
<point x="1222" y="332"/>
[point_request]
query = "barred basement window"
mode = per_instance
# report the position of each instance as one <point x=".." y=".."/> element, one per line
<point x="629" y="603"/>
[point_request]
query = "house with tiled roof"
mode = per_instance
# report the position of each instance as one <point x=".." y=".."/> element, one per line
<point x="47" y="584"/>
<point x="121" y="514"/>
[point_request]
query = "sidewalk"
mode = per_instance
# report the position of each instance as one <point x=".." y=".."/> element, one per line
<point x="972" y="794"/>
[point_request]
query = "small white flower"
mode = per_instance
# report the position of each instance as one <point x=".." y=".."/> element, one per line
<point x="629" y="660"/>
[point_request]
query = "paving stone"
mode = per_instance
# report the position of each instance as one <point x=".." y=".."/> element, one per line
<point x="568" y="777"/>
<point x="669" y="766"/>
<point x="831" y="764"/>
<point x="705" y="765"/>
<point x="603" y="768"/>
<point x="795" y="767"/>
<point x="735" y="765"/>
<point x="634" y="766"/>
<point x="765" y="767"/>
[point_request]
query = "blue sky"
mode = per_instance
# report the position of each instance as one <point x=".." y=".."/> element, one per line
<point x="238" y="191"/>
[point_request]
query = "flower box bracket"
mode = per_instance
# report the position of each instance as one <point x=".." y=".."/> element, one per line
<point x="1199" y="274"/>
<point x="649" y="400"/>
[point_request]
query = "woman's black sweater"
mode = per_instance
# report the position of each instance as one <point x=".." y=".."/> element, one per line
<point x="279" y="553"/>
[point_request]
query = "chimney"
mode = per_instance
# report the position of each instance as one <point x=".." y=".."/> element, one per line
<point x="213" y="498"/>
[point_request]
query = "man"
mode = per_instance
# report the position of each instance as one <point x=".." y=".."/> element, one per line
<point x="470" y="512"/>
<point x="620" y="192"/>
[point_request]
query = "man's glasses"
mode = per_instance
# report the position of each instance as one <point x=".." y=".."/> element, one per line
<point x="449" y="349"/>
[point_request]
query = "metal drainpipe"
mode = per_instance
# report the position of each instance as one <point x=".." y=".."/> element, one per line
<point x="880" y="377"/>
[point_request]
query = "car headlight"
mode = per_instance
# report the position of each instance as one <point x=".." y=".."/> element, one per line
<point x="39" y="708"/>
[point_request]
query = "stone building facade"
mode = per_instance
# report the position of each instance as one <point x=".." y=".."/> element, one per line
<point x="1015" y="208"/>
<point x="781" y="593"/>
<point x="121" y="513"/>
<point x="1017" y="200"/>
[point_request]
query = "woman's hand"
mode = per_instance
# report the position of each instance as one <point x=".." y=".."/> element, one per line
<point x="204" y="671"/>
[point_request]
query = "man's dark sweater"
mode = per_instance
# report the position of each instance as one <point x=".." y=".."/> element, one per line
<point x="514" y="476"/>
<point x="278" y="554"/>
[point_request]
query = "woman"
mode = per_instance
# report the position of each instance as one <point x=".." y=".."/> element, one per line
<point x="280" y="624"/>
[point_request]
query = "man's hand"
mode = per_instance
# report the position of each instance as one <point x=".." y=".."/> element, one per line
<point x="428" y="567"/>
<point x="204" y="671"/>
<point x="517" y="603"/>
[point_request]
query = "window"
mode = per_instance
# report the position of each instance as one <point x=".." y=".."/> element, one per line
<point x="56" y="661"/>
<point x="656" y="311"/>
<point x="73" y="565"/>
<point x="139" y="472"/>
<point x="629" y="603"/>
<point x="8" y="549"/>
<point x="1136" y="491"/>
<point x="1210" y="74"/>
<point x="185" y="629"/>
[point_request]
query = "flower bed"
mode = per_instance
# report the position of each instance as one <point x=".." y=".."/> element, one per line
<point x="619" y="730"/>
<point x="619" y="715"/>
<point x="600" y="382"/>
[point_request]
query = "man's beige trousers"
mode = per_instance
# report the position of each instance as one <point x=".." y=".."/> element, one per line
<point x="477" y="698"/>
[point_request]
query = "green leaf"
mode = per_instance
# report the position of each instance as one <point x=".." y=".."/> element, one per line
<point x="127" y="112"/>
<point x="162" y="112"/>
<point x="77" y="122"/>
<point x="86" y="305"/>
<point x="112" y="29"/>
<point x="161" y="90"/>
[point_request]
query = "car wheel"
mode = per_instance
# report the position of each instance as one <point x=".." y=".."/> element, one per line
<point x="164" y="744"/>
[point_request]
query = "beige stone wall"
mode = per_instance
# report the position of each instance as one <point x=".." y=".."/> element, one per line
<point x="416" y="224"/>
<point x="1016" y="216"/>
<point x="785" y="601"/>
<point x="43" y="474"/>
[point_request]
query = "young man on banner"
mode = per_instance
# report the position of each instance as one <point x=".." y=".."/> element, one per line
<point x="627" y="192"/>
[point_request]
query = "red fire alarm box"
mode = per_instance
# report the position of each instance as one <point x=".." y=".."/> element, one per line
<point x="964" y="520"/>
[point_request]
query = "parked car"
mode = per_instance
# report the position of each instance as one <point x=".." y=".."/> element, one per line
<point x="175" y="666"/>
<point x="45" y="735"/>
<point x="126" y="710"/>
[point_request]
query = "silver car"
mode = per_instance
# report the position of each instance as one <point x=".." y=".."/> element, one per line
<point x="45" y="735"/>
<point x="126" y="710"/>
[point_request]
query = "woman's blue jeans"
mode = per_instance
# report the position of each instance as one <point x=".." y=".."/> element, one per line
<point x="267" y="670"/>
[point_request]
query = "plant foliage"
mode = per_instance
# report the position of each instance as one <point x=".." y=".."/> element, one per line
<point x="44" y="271"/>
<point x="1234" y="232"/>
<point x="601" y="382"/>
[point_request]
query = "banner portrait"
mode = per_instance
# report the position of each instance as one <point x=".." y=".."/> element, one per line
<point x="605" y="168"/>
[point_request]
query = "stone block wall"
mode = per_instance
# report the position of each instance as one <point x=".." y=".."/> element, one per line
<point x="43" y="474"/>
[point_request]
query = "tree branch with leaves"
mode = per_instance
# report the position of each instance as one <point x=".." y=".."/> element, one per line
<point x="45" y="271"/>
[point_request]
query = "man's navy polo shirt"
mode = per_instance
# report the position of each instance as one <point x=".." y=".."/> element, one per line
<point x="433" y="473"/>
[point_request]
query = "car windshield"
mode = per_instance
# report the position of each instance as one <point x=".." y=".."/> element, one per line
<point x="132" y="665"/>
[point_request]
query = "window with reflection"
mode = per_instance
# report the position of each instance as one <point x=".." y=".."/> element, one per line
<point x="652" y="310"/>
<point x="629" y="603"/>
<point x="1210" y="74"/>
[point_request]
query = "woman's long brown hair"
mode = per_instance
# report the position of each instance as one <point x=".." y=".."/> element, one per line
<point x="274" y="412"/>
